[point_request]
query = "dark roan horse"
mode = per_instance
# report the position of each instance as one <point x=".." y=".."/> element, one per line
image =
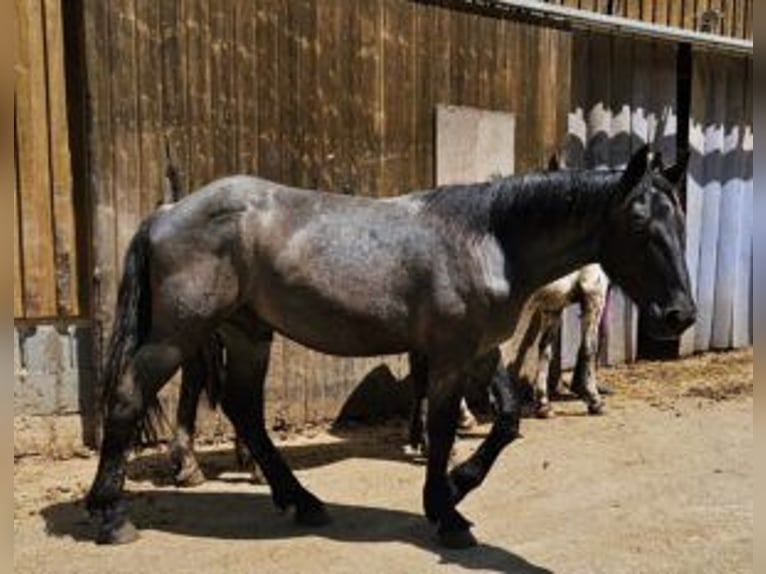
<point x="443" y="273"/>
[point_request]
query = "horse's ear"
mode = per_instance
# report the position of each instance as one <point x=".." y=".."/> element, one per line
<point x="637" y="168"/>
<point x="675" y="173"/>
<point x="554" y="164"/>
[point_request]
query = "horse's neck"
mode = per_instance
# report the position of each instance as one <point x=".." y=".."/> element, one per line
<point x="551" y="240"/>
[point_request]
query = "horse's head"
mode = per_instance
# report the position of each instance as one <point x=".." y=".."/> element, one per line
<point x="643" y="248"/>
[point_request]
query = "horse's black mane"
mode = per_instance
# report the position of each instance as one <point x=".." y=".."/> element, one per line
<point x="474" y="210"/>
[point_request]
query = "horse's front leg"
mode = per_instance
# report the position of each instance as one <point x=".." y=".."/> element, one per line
<point x="439" y="496"/>
<point x="471" y="473"/>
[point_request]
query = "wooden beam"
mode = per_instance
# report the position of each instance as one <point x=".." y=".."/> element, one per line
<point x="34" y="162"/>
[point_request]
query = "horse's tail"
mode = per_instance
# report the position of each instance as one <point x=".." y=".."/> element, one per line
<point x="131" y="326"/>
<point x="215" y="369"/>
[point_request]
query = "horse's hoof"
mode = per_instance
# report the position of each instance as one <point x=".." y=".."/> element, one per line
<point x="124" y="533"/>
<point x="313" y="517"/>
<point x="596" y="408"/>
<point x="466" y="422"/>
<point x="544" y="412"/>
<point x="457" y="539"/>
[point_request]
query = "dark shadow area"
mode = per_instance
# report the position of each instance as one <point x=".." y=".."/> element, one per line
<point x="238" y="516"/>
<point x="381" y="442"/>
<point x="379" y="396"/>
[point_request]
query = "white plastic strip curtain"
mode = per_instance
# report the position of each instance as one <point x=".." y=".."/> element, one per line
<point x="720" y="203"/>
<point x="623" y="96"/>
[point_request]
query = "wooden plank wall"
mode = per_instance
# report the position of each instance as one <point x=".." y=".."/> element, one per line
<point x="328" y="94"/>
<point x="720" y="203"/>
<point x="45" y="243"/>
<point x="736" y="20"/>
<point x="623" y="96"/>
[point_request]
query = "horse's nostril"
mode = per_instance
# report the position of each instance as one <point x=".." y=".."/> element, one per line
<point x="677" y="319"/>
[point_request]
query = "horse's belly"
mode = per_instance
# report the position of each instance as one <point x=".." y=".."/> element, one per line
<point x="333" y="325"/>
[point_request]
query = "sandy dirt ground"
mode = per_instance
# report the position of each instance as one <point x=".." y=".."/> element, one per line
<point x="662" y="483"/>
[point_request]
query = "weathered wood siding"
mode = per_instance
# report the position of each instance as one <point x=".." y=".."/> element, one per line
<point x="327" y="94"/>
<point x="45" y="245"/>
<point x="720" y="203"/>
<point x="736" y="15"/>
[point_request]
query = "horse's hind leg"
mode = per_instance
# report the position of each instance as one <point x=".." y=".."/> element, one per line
<point x="186" y="470"/>
<point x="419" y="377"/>
<point x="550" y="322"/>
<point x="248" y="344"/>
<point x="149" y="369"/>
<point x="584" y="378"/>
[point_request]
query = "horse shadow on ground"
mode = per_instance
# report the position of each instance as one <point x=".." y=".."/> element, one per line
<point x="380" y="442"/>
<point x="246" y="516"/>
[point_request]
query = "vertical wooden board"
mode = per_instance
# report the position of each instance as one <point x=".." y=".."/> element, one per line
<point x="346" y="47"/>
<point x="176" y="121"/>
<point x="398" y="90"/>
<point x="676" y="13"/>
<point x="472" y="33"/>
<point x="486" y="49"/>
<point x="423" y="107"/>
<point x="731" y="199"/>
<point x="647" y="10"/>
<point x="199" y="99"/>
<point x="499" y="78"/>
<point x="740" y="14"/>
<point x="528" y="128"/>
<point x="563" y="86"/>
<point x="664" y="100"/>
<point x="18" y="268"/>
<point x="34" y="162"/>
<point x="306" y="114"/>
<point x="269" y="159"/>
<point x="743" y="315"/>
<point x="287" y="87"/>
<point x="625" y="91"/>
<point x="642" y="82"/>
<point x="695" y="182"/>
<point x="577" y="124"/>
<point x="219" y="76"/>
<point x="547" y="99"/>
<point x="662" y="12"/>
<point x="329" y="86"/>
<point x="152" y="155"/>
<point x="634" y="9"/>
<point x="441" y="65"/>
<point x="690" y="14"/>
<point x="64" y="238"/>
<point x="714" y="138"/>
<point x="749" y="19"/>
<point x="245" y="87"/>
<point x="126" y="127"/>
<point x="599" y="115"/>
